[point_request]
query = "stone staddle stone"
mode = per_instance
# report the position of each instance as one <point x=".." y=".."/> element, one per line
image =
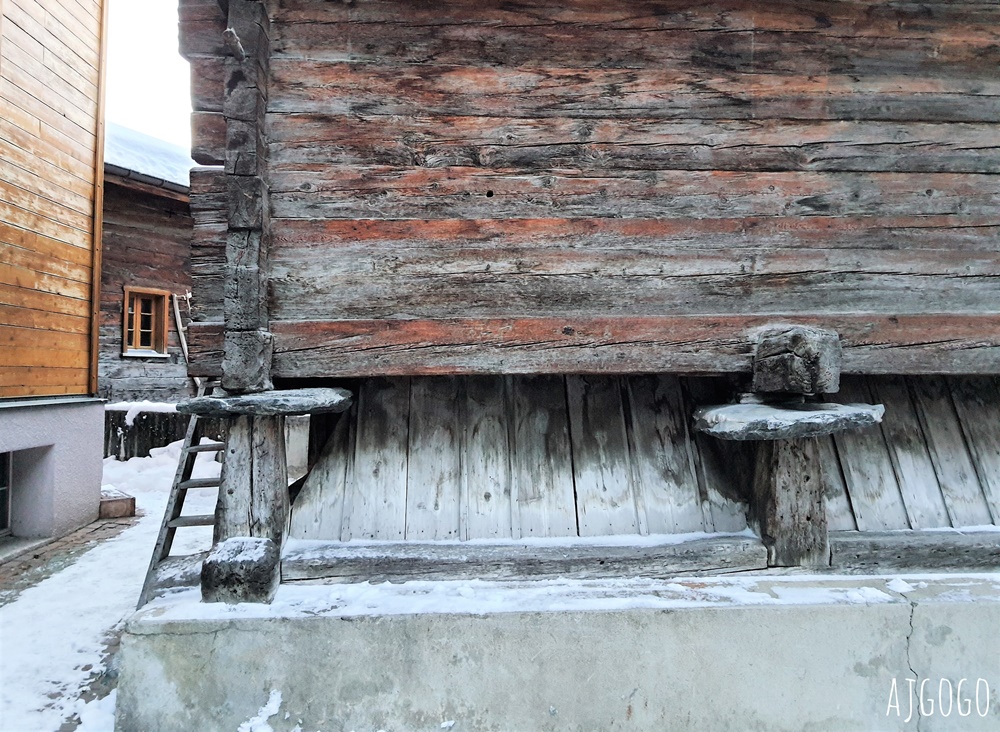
<point x="797" y="360"/>
<point x="784" y="421"/>
<point x="241" y="569"/>
<point x="270" y="403"/>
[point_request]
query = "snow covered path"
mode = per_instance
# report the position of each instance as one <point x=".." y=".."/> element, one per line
<point x="53" y="636"/>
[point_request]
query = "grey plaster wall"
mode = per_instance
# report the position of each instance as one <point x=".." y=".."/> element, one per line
<point x="733" y="668"/>
<point x="56" y="467"/>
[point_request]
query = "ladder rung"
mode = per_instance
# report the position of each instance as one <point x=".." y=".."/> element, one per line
<point x="212" y="447"/>
<point x="198" y="483"/>
<point x="183" y="521"/>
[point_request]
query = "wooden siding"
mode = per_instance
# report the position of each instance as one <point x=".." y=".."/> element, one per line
<point x="146" y="244"/>
<point x="585" y="187"/>
<point x="542" y="456"/>
<point x="50" y="135"/>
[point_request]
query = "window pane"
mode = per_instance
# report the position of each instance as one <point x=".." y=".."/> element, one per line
<point x="4" y="469"/>
<point x="4" y="509"/>
<point x="145" y="339"/>
<point x="146" y="304"/>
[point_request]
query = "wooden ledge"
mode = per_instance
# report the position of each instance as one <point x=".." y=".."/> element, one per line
<point x="785" y="421"/>
<point x="270" y="403"/>
<point x="871" y="552"/>
<point x="344" y="562"/>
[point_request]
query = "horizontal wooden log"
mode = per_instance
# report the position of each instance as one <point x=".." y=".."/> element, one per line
<point x="399" y="562"/>
<point x="208" y="83"/>
<point x="874" y="344"/>
<point x="324" y="191"/>
<point x="201" y="26"/>
<point x="311" y="238"/>
<point x="299" y="85"/>
<point x="208" y="138"/>
<point x="843" y="41"/>
<point x="632" y="144"/>
<point x="895" y="551"/>
<point x="820" y="17"/>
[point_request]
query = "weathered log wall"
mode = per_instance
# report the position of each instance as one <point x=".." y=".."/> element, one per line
<point x="485" y="187"/>
<point x="50" y="139"/>
<point x="146" y="244"/>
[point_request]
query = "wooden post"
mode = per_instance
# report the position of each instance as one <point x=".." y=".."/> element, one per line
<point x="788" y="503"/>
<point x="253" y="497"/>
<point x="248" y="343"/>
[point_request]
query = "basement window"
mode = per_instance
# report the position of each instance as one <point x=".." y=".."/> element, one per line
<point x="145" y="322"/>
<point x="4" y="493"/>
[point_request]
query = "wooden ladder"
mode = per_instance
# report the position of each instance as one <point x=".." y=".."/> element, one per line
<point x="183" y="482"/>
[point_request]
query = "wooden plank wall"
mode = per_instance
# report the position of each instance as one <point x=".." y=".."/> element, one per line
<point x="547" y="456"/>
<point x="50" y="62"/>
<point x="146" y="243"/>
<point x="542" y="186"/>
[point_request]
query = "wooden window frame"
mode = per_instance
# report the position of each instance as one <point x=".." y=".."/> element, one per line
<point x="6" y="474"/>
<point x="158" y="347"/>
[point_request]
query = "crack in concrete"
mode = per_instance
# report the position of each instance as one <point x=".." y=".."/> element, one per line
<point x="909" y="661"/>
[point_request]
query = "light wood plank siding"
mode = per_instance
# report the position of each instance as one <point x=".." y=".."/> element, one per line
<point x="50" y="179"/>
<point x="592" y="187"/>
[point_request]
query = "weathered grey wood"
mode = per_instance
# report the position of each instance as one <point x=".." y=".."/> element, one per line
<point x="541" y="463"/>
<point x="725" y="469"/>
<point x="246" y="361"/>
<point x="241" y="569"/>
<point x="377" y="485"/>
<point x="602" y="470"/>
<point x="667" y="484"/>
<point x="797" y="360"/>
<point x="875" y="552"/>
<point x="285" y="402"/>
<point x="318" y="510"/>
<point x="788" y="503"/>
<point x="871" y="481"/>
<point x="434" y="458"/>
<point x="977" y="402"/>
<point x="839" y="514"/>
<point x="486" y="472"/>
<point x="399" y="562"/>
<point x="253" y="498"/>
<point x="949" y="454"/>
<point x="911" y="462"/>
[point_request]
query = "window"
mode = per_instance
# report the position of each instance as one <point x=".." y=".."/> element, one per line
<point x="145" y="322"/>
<point x="4" y="493"/>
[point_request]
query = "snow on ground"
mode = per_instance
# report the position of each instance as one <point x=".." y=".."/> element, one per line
<point x="53" y="636"/>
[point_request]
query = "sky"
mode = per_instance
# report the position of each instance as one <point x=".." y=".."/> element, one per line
<point x="148" y="81"/>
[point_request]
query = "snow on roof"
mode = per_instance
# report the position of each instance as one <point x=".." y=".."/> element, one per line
<point x="149" y="157"/>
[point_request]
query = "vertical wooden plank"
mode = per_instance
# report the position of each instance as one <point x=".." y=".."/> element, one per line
<point x="541" y="458"/>
<point x="434" y="464"/>
<point x="724" y="468"/>
<point x="977" y="402"/>
<point x="908" y="453"/>
<point x="663" y="463"/>
<point x="949" y="454"/>
<point x="839" y="514"/>
<point x="871" y="481"/>
<point x="605" y="499"/>
<point x="486" y="460"/>
<point x="318" y="511"/>
<point x="378" y="481"/>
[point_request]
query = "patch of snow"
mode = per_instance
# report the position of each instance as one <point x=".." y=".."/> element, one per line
<point x="240" y="548"/>
<point x="147" y="155"/>
<point x="448" y="725"/>
<point x="259" y="722"/>
<point x="899" y="585"/>
<point x="47" y="663"/>
<point x="97" y="715"/>
<point x="134" y="409"/>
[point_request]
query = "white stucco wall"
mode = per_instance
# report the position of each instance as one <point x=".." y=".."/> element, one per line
<point x="56" y="471"/>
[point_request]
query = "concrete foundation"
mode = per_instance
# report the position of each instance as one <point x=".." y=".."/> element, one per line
<point x="750" y="654"/>
<point x="57" y="447"/>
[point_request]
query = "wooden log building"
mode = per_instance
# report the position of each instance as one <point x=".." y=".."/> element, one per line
<point x="532" y="238"/>
<point x="51" y="187"/>
<point x="146" y="271"/>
